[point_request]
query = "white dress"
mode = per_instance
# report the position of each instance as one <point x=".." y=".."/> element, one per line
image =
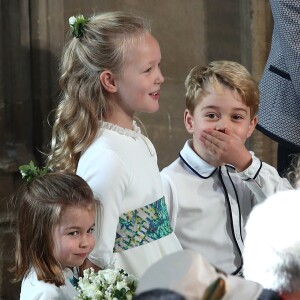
<point x="34" y="289"/>
<point x="209" y="206"/>
<point x="133" y="230"/>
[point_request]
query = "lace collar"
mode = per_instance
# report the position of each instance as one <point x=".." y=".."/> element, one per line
<point x="124" y="131"/>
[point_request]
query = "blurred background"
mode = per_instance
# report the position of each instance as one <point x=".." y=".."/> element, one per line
<point x="190" y="32"/>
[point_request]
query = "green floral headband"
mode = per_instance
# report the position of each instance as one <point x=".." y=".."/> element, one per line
<point x="30" y="171"/>
<point x="77" y="25"/>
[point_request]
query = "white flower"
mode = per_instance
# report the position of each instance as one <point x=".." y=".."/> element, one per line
<point x="122" y="284"/>
<point x="109" y="276"/>
<point x="108" y="284"/>
<point x="72" y="20"/>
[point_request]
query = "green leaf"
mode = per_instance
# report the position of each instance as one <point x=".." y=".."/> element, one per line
<point x="78" y="25"/>
<point x="30" y="171"/>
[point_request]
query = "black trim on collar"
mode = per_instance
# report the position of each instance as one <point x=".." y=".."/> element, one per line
<point x="258" y="170"/>
<point x="256" y="174"/>
<point x="230" y="166"/>
<point x="236" y="244"/>
<point x="247" y="179"/>
<point x="193" y="170"/>
<point x="238" y="203"/>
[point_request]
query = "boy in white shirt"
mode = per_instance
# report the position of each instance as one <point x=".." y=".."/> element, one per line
<point x="213" y="185"/>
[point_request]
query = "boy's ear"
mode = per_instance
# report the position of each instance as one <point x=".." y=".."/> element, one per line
<point x="252" y="126"/>
<point x="188" y="121"/>
<point x="107" y="80"/>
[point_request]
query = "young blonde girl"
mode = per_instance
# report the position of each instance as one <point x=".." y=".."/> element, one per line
<point x="55" y="222"/>
<point x="110" y="70"/>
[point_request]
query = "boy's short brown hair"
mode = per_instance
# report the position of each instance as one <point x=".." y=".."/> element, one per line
<point x="233" y="75"/>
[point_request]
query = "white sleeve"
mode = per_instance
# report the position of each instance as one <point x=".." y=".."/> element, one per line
<point x="263" y="180"/>
<point x="40" y="290"/>
<point x="47" y="295"/>
<point x="107" y="176"/>
<point x="171" y="198"/>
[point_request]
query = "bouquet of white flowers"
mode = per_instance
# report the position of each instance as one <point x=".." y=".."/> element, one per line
<point x="110" y="284"/>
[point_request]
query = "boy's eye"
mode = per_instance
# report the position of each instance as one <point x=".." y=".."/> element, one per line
<point x="211" y="115"/>
<point x="237" y="117"/>
<point x="148" y="70"/>
<point x="91" y="230"/>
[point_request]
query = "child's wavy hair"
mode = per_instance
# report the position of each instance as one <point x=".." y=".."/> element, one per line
<point x="202" y="79"/>
<point x="39" y="205"/>
<point x="293" y="172"/>
<point x="102" y="46"/>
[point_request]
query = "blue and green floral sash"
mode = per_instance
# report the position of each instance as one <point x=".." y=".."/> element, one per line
<point x="142" y="225"/>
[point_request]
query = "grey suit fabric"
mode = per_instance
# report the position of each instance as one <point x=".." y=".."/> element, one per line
<point x="279" y="111"/>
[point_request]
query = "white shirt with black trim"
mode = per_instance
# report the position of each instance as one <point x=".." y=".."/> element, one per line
<point x="209" y="206"/>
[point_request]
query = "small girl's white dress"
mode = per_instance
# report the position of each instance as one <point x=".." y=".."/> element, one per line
<point x="34" y="289"/>
<point x="133" y="229"/>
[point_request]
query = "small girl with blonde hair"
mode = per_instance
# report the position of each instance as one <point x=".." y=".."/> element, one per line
<point x="55" y="223"/>
<point x="110" y="69"/>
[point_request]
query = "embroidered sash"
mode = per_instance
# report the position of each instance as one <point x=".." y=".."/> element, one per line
<point x="142" y="225"/>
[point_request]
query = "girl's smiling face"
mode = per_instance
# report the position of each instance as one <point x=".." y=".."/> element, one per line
<point x="73" y="235"/>
<point x="138" y="86"/>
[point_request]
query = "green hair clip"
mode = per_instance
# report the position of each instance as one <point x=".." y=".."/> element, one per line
<point x="30" y="171"/>
<point x="77" y="25"/>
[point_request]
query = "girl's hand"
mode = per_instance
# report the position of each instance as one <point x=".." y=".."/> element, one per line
<point x="227" y="148"/>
